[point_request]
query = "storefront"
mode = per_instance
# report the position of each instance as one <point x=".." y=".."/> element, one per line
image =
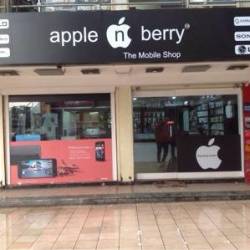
<point x="100" y="92"/>
<point x="60" y="139"/>
<point x="188" y="134"/>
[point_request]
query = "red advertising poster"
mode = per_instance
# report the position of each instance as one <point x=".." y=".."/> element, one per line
<point x="60" y="161"/>
<point x="246" y="117"/>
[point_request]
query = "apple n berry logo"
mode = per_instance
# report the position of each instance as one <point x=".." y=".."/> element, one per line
<point x="117" y="35"/>
<point x="207" y="156"/>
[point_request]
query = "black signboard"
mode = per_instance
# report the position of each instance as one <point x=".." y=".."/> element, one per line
<point x="198" y="153"/>
<point x="133" y="36"/>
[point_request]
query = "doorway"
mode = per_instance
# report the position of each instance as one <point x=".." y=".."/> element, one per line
<point x="187" y="134"/>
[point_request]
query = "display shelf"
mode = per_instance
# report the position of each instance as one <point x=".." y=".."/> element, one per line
<point x="208" y="118"/>
<point x="145" y="120"/>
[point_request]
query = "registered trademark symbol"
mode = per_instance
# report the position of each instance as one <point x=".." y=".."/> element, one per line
<point x="187" y="26"/>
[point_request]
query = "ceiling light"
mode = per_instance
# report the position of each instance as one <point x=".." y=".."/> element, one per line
<point x="196" y="68"/>
<point x="8" y="73"/>
<point x="93" y="71"/>
<point x="237" y="67"/>
<point x="154" y="70"/>
<point x="50" y="71"/>
<point x="122" y="70"/>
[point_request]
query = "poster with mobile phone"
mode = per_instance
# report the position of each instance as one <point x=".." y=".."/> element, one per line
<point x="246" y="118"/>
<point x="60" y="161"/>
<point x="100" y="151"/>
<point x="37" y="168"/>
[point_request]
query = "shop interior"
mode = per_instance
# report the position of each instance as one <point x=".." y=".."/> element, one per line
<point x="207" y="115"/>
<point x="59" y="117"/>
<point x="60" y="139"/>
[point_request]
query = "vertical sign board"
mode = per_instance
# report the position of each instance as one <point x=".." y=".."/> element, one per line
<point x="246" y="117"/>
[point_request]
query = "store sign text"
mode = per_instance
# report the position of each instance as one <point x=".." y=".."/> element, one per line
<point x="74" y="37"/>
<point x="117" y="35"/>
<point x="152" y="55"/>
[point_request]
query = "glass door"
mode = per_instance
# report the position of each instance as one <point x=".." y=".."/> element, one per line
<point x="186" y="134"/>
<point x="155" y="124"/>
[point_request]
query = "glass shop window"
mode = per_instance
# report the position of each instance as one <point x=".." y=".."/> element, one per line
<point x="60" y="117"/>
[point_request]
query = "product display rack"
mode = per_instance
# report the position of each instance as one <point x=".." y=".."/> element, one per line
<point x="145" y="120"/>
<point x="208" y="118"/>
<point x="21" y="119"/>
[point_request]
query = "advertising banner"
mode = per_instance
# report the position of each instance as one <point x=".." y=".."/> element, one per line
<point x="60" y="161"/>
<point x="246" y="117"/>
<point x="104" y="37"/>
<point x="200" y="153"/>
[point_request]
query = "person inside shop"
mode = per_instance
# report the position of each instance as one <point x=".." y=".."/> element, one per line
<point x="49" y="122"/>
<point x="172" y="136"/>
<point x="162" y="139"/>
<point x="165" y="136"/>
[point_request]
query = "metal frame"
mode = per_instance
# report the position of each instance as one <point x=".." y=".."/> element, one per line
<point x="194" y="175"/>
<point x="82" y="90"/>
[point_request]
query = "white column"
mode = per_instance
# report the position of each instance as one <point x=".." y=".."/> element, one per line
<point x="124" y="128"/>
<point x="2" y="155"/>
<point x="243" y="4"/>
<point x="120" y="4"/>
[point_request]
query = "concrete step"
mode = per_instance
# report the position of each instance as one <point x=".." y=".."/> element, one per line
<point x="123" y="198"/>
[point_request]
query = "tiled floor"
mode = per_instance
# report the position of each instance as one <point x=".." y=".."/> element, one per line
<point x="199" y="226"/>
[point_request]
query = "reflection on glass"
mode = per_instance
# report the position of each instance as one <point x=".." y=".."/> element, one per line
<point x="58" y="119"/>
<point x="159" y="121"/>
<point x="60" y="139"/>
<point x="74" y="5"/>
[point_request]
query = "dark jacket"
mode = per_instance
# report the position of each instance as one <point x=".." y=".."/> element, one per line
<point x="162" y="132"/>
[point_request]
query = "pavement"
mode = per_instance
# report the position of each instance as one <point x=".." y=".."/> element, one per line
<point x="168" y="191"/>
<point x="209" y="225"/>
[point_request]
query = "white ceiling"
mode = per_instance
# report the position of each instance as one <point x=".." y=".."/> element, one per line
<point x="119" y="75"/>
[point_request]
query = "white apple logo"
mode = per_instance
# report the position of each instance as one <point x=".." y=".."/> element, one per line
<point x="117" y="35"/>
<point x="207" y="156"/>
